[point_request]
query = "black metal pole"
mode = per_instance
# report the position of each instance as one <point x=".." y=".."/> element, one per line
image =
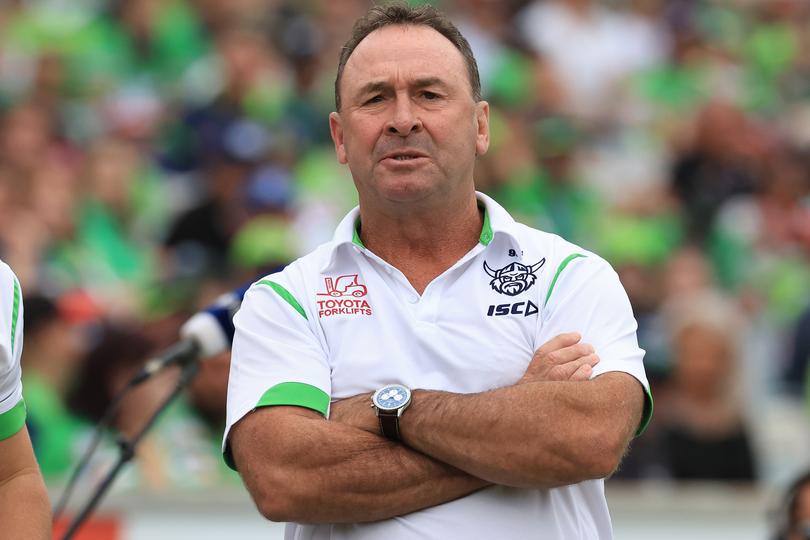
<point x="127" y="450"/>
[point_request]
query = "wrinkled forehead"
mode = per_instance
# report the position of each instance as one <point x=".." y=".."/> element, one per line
<point x="400" y="53"/>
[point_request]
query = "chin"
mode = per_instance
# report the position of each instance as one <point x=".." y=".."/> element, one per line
<point x="405" y="189"/>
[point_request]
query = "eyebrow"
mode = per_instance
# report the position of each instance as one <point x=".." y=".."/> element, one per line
<point x="379" y="86"/>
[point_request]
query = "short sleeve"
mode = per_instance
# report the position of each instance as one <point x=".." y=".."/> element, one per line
<point x="276" y="358"/>
<point x="586" y="296"/>
<point x="12" y="408"/>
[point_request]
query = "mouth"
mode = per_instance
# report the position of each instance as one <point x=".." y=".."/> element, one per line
<point x="403" y="155"/>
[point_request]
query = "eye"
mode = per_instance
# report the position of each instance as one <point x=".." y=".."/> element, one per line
<point x="430" y="96"/>
<point x="374" y="99"/>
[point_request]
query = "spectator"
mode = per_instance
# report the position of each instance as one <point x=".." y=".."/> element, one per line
<point x="704" y="433"/>
<point x="722" y="163"/>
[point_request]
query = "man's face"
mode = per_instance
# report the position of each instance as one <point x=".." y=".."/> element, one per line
<point x="408" y="126"/>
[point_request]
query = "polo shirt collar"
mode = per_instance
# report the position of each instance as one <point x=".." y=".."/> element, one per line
<point x="496" y="220"/>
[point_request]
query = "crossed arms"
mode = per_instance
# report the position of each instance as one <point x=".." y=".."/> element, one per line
<point x="554" y="427"/>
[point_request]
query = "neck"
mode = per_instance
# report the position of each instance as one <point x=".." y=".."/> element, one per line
<point x="423" y="241"/>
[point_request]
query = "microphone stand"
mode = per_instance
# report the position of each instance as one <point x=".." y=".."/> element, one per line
<point x="127" y="449"/>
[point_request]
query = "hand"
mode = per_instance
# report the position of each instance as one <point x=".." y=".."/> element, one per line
<point x="356" y="412"/>
<point x="562" y="358"/>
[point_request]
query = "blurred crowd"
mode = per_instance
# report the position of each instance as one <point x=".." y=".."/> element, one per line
<point x="155" y="153"/>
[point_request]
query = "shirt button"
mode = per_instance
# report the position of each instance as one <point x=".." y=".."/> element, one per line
<point x="413" y="299"/>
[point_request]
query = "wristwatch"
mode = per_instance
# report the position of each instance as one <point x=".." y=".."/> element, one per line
<point x="391" y="401"/>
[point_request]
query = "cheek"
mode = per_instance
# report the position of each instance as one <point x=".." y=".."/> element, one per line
<point x="457" y="133"/>
<point x="359" y="142"/>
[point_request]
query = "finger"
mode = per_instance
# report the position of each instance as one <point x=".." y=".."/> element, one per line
<point x="567" y="371"/>
<point x="569" y="354"/>
<point x="558" y="342"/>
<point x="583" y="373"/>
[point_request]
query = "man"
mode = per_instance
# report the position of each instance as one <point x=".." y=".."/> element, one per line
<point x="24" y="507"/>
<point x="492" y="417"/>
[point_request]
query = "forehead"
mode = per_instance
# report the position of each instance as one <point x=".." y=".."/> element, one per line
<point x="404" y="52"/>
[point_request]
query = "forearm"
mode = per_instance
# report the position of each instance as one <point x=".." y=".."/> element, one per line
<point x="327" y="472"/>
<point x="538" y="434"/>
<point x="25" y="511"/>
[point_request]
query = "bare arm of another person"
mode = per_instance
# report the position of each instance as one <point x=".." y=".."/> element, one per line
<point x="25" y="511"/>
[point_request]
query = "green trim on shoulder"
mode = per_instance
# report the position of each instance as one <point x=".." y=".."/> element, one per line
<point x="646" y="415"/>
<point x="486" y="230"/>
<point x="285" y="294"/>
<point x="559" y="271"/>
<point x="356" y="235"/>
<point x="12" y="420"/>
<point x="15" y="313"/>
<point x="296" y="394"/>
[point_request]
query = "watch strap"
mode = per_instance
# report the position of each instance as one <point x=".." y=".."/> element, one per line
<point x="389" y="424"/>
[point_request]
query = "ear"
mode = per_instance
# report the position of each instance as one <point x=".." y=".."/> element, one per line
<point x="336" y="129"/>
<point x="482" y="124"/>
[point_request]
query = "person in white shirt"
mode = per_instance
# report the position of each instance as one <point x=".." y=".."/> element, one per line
<point x="24" y="507"/>
<point x="437" y="370"/>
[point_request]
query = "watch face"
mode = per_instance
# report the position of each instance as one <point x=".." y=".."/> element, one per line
<point x="391" y="397"/>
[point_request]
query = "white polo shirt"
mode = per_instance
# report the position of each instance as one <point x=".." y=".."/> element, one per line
<point x="12" y="408"/>
<point x="341" y="321"/>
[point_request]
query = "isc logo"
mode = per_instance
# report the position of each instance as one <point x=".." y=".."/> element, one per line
<point x="518" y="308"/>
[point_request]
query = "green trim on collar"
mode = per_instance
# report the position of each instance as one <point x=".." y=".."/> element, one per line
<point x="486" y="230"/>
<point x="12" y="420"/>
<point x="559" y="271"/>
<point x="286" y="295"/>
<point x="15" y="313"/>
<point x="293" y="394"/>
<point x="356" y="235"/>
<point x="646" y="415"/>
<point x="485" y="238"/>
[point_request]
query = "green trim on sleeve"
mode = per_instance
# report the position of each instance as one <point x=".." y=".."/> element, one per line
<point x="285" y="294"/>
<point x="12" y="420"/>
<point x="15" y="313"/>
<point x="227" y="455"/>
<point x="296" y="394"/>
<point x="486" y="230"/>
<point x="559" y="271"/>
<point x="288" y="393"/>
<point x="646" y="415"/>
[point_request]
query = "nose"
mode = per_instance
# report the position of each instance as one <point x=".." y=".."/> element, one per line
<point x="404" y="119"/>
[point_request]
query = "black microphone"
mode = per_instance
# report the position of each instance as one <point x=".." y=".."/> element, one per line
<point x="205" y="334"/>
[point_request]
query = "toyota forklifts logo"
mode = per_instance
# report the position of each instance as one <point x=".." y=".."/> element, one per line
<point x="344" y="296"/>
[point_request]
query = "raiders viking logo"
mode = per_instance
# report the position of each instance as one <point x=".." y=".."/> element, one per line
<point x="514" y="278"/>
